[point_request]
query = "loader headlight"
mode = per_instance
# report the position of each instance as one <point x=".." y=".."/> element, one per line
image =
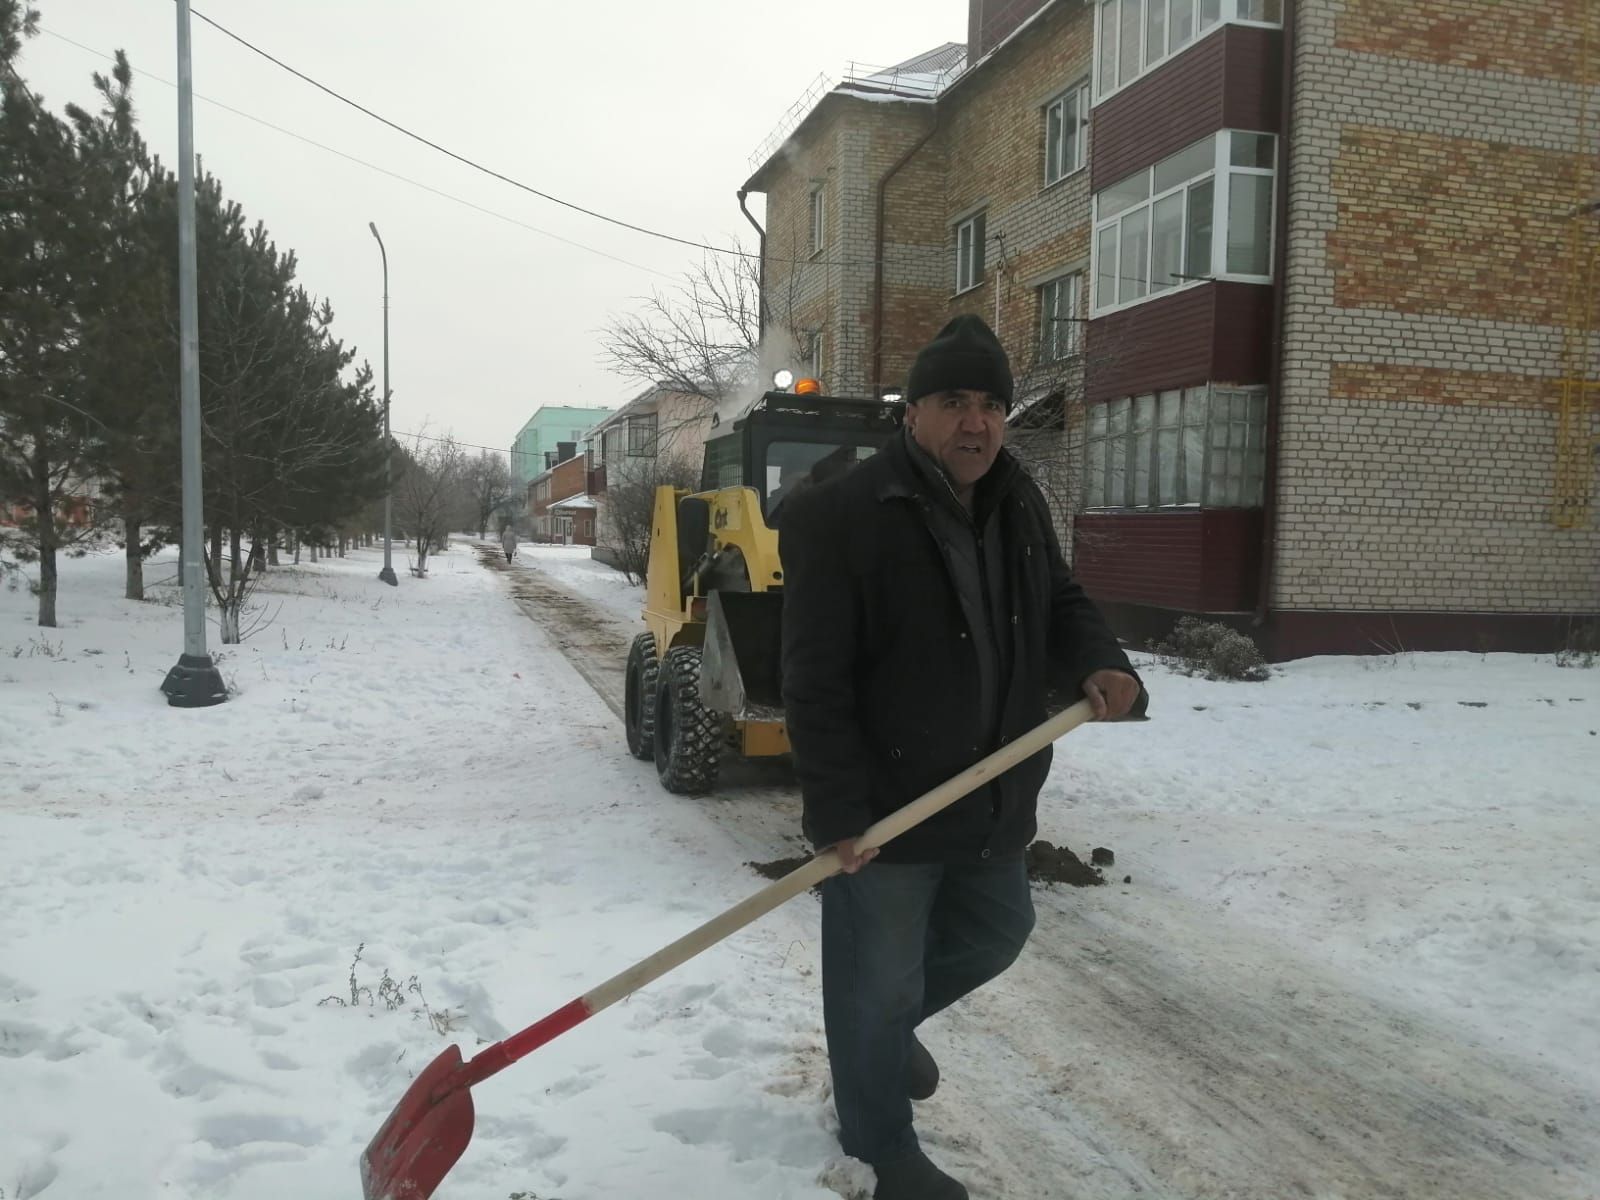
<point x="893" y="397"/>
<point x="783" y="379"/>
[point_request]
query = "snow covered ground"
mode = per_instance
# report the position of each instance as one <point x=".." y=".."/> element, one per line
<point x="574" y="569"/>
<point x="1362" y="897"/>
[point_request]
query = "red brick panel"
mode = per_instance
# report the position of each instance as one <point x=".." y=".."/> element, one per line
<point x="1141" y="558"/>
<point x="1163" y="343"/>
<point x="1253" y="85"/>
<point x="990" y="22"/>
<point x="1230" y="551"/>
<point x="1227" y="80"/>
<point x="1194" y="560"/>
<point x="1243" y="333"/>
<point x="1172" y="107"/>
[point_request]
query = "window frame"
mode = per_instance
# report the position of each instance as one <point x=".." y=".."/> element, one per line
<point x="976" y="227"/>
<point x="1228" y="14"/>
<point x="818" y="214"/>
<point x="1219" y="174"/>
<point x="1050" y="350"/>
<point x="814" y="355"/>
<point x="1111" y="448"/>
<point x="643" y="446"/>
<point x="1082" y="95"/>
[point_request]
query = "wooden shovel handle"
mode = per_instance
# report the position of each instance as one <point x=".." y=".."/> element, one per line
<point x="625" y="983"/>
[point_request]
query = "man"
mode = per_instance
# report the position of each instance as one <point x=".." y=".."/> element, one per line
<point x="927" y="614"/>
<point x="508" y="542"/>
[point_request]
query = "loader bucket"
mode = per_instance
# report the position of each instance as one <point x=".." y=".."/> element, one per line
<point x="739" y="667"/>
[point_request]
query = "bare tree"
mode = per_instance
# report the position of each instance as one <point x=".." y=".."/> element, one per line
<point x="630" y="505"/>
<point x="428" y="494"/>
<point x="488" y="480"/>
<point x="701" y="338"/>
<point x="1046" y="430"/>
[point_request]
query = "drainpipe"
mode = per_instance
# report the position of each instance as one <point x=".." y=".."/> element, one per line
<point x="877" y="255"/>
<point x="1280" y="252"/>
<point x="761" y="269"/>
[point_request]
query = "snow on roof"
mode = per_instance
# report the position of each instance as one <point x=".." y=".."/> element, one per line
<point x="584" y="501"/>
<point x="919" y="78"/>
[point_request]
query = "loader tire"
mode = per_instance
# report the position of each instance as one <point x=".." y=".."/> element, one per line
<point x="639" y="697"/>
<point x="688" y="742"/>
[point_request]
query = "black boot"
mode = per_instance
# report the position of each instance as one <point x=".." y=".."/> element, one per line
<point x="914" y="1177"/>
<point x="922" y="1073"/>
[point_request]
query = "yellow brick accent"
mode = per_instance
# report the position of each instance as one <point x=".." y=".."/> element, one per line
<point x="1428" y="224"/>
<point x="1539" y="40"/>
<point x="1382" y="382"/>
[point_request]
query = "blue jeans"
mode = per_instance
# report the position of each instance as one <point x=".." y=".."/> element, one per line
<point x="900" y="942"/>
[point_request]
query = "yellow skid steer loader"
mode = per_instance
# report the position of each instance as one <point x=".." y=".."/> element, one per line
<point x="703" y="679"/>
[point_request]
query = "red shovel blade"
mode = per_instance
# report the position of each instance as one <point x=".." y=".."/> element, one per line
<point x="424" y="1136"/>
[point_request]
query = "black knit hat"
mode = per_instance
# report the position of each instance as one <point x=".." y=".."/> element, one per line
<point x="966" y="354"/>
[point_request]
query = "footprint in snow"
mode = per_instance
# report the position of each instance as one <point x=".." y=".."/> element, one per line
<point x="34" y="1177"/>
<point x="768" y="1134"/>
<point x="19" y="1039"/>
<point x="231" y="1131"/>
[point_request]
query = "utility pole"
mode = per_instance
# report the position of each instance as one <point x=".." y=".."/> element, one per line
<point x="387" y="574"/>
<point x="195" y="682"/>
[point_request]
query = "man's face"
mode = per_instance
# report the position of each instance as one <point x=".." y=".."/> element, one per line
<point x="961" y="430"/>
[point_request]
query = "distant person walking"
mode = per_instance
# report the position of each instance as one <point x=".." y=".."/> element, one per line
<point x="508" y="542"/>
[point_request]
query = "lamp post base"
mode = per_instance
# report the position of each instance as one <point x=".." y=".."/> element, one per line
<point x="194" y="683"/>
<point x="387" y="575"/>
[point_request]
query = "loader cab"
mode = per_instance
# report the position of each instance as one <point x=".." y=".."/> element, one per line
<point x="790" y="442"/>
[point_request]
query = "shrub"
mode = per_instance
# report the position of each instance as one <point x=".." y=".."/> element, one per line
<point x="1211" y="649"/>
<point x="1582" y="646"/>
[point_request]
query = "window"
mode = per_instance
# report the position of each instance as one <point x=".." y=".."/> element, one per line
<point x="1066" y="128"/>
<point x="970" y="236"/>
<point x="1197" y="446"/>
<point x="1136" y="36"/>
<point x="819" y="228"/>
<point x="1060" y="328"/>
<point x="1156" y="230"/>
<point x="642" y="436"/>
<point x="611" y="443"/>
<point x="1250" y="204"/>
<point x="813" y="363"/>
<point x="1268" y="12"/>
<point x="794" y="466"/>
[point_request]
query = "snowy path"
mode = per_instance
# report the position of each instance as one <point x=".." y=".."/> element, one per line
<point x="1358" y="958"/>
<point x="1165" y="1053"/>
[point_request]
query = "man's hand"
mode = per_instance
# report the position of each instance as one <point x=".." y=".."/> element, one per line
<point x="852" y="861"/>
<point x="1111" y="693"/>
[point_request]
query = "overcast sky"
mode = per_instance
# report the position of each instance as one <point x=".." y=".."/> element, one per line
<point x="642" y="109"/>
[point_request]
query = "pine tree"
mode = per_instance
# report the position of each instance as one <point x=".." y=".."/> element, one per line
<point x="49" y="203"/>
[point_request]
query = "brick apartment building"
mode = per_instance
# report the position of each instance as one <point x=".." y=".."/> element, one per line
<point x="560" y="508"/>
<point x="1299" y="294"/>
<point x="658" y="436"/>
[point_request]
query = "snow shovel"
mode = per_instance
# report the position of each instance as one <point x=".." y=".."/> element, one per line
<point x="429" y="1129"/>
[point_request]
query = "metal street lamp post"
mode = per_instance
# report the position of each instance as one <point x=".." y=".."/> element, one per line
<point x="195" y="682"/>
<point x="387" y="574"/>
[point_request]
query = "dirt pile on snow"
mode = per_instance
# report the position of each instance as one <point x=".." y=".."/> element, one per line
<point x="1048" y="863"/>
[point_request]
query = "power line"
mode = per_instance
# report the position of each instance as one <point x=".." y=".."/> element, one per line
<point x="427" y="437"/>
<point x="461" y="158"/>
<point x="517" y="183"/>
<point x="371" y="166"/>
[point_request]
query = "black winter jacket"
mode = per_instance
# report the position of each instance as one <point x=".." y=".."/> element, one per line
<point x="880" y="680"/>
